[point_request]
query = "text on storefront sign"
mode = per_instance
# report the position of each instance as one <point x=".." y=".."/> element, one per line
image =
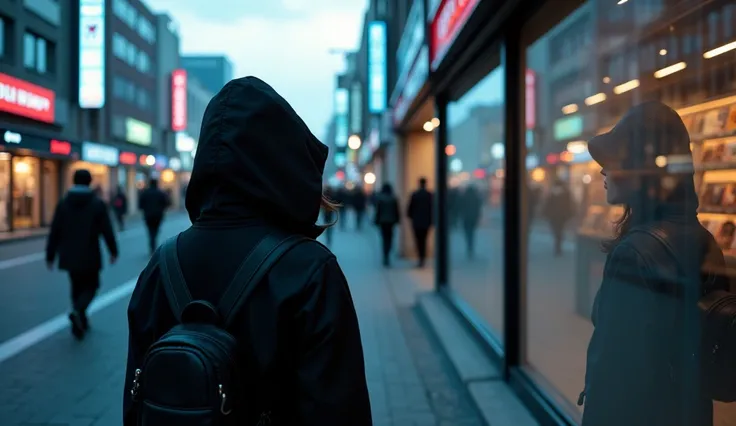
<point x="450" y="18"/>
<point x="12" y="137"/>
<point x="102" y="154"/>
<point x="178" y="100"/>
<point x="25" y="99"/>
<point x="60" y="147"/>
<point x="128" y="158"/>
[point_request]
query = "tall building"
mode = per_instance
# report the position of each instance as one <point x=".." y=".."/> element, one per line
<point x="38" y="120"/>
<point x="212" y="71"/>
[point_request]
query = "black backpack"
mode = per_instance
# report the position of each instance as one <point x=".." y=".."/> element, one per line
<point x="717" y="351"/>
<point x="190" y="376"/>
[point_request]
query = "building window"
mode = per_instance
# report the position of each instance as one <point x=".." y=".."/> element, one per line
<point x="38" y="53"/>
<point x="144" y="62"/>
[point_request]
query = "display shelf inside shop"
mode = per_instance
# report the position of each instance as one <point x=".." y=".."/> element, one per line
<point x="715" y="179"/>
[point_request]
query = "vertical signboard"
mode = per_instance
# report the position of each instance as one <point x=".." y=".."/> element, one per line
<point x="178" y="100"/>
<point x="341" y="118"/>
<point x="356" y="108"/>
<point x="376" y="67"/>
<point x="530" y="99"/>
<point x="449" y="19"/>
<point x="91" y="54"/>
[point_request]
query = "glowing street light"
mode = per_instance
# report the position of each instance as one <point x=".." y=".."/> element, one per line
<point x="354" y="142"/>
<point x="150" y="160"/>
<point x="369" y="178"/>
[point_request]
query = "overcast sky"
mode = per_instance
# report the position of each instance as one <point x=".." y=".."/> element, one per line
<point x="284" y="42"/>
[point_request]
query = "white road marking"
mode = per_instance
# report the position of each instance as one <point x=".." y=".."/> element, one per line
<point x="36" y="257"/>
<point x="43" y="331"/>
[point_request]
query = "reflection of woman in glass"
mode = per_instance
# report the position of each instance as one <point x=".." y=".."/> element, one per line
<point x="471" y="207"/>
<point x="643" y="365"/>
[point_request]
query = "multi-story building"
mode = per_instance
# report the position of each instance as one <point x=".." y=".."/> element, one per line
<point x="212" y="71"/>
<point x="38" y="121"/>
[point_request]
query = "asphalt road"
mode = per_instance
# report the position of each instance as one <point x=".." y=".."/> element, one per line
<point x="30" y="294"/>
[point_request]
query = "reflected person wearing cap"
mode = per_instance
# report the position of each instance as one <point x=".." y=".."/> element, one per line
<point x="640" y="365"/>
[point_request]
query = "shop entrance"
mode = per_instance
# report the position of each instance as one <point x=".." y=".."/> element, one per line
<point x="4" y="191"/>
<point x="100" y="177"/>
<point x="26" y="192"/>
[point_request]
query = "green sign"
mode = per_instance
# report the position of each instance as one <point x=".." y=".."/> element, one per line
<point x="568" y="127"/>
<point x="138" y="132"/>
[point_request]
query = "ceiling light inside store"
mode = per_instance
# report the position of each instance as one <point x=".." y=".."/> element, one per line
<point x="595" y="99"/>
<point x="428" y="126"/>
<point x="720" y="50"/>
<point x="620" y="2"/>
<point x="606" y="80"/>
<point x="662" y="52"/>
<point x="625" y="87"/>
<point x="664" y="72"/>
<point x="570" y="109"/>
<point x="435" y="122"/>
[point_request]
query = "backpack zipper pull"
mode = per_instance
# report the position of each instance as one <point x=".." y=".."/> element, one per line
<point x="223" y="401"/>
<point x="581" y="398"/>
<point x="136" y="384"/>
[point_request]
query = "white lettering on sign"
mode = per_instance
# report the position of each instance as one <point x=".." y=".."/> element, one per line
<point x="23" y="98"/>
<point x="96" y="153"/>
<point x="12" y="137"/>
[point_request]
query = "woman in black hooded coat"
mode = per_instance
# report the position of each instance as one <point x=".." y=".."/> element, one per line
<point x="259" y="168"/>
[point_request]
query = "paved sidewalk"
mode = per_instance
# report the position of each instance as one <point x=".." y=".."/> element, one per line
<point x="411" y="381"/>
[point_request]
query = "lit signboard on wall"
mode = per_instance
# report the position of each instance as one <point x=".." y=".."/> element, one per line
<point x="341" y="118"/>
<point x="568" y="127"/>
<point x="356" y="108"/>
<point x="138" y="132"/>
<point x="92" y="54"/>
<point x="377" y="67"/>
<point x="178" y="100"/>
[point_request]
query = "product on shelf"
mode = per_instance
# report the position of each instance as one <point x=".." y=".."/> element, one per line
<point x="725" y="236"/>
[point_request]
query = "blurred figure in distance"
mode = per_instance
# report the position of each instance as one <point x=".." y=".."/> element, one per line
<point x="558" y="209"/>
<point x="153" y="203"/>
<point x="120" y="207"/>
<point x="471" y="208"/>
<point x="387" y="217"/>
<point x="420" y="213"/>
<point x="80" y="219"/>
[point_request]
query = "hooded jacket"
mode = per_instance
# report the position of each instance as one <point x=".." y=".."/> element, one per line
<point x="258" y="167"/>
<point x="79" y="221"/>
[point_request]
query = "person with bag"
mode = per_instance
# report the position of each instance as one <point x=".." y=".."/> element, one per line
<point x="663" y="345"/>
<point x="244" y="318"/>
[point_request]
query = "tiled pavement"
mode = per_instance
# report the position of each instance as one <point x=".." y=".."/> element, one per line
<point x="60" y="382"/>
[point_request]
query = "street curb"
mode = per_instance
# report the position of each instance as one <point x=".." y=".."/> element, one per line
<point x="496" y="401"/>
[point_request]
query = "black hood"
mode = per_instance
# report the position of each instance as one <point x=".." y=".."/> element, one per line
<point x="256" y="157"/>
<point x="80" y="196"/>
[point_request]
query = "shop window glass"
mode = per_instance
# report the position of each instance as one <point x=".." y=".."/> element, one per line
<point x="4" y="191"/>
<point x="50" y="190"/>
<point x="475" y="161"/>
<point x="26" y="193"/>
<point x="675" y="160"/>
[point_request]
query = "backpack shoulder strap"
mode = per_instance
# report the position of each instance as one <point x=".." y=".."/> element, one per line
<point x="259" y="262"/>
<point x="172" y="278"/>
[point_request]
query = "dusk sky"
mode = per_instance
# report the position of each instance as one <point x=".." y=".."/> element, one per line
<point x="284" y="42"/>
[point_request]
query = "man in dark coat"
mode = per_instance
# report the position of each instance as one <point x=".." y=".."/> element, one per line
<point x="153" y="202"/>
<point x="259" y="168"/>
<point x="79" y="221"/>
<point x="420" y="213"/>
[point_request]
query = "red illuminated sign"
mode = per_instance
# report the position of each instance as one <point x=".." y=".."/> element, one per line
<point x="22" y="98"/>
<point x="530" y="100"/>
<point x="60" y="147"/>
<point x="178" y="100"/>
<point x="128" y="158"/>
<point x="450" y="18"/>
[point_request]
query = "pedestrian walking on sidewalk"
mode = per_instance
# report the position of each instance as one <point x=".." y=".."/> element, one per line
<point x="247" y="287"/>
<point x="663" y="345"/>
<point x="359" y="201"/>
<point x="387" y="217"/>
<point x="330" y="213"/>
<point x="471" y="209"/>
<point x="80" y="219"/>
<point x="558" y="209"/>
<point x="120" y="207"/>
<point x="153" y="202"/>
<point x="420" y="214"/>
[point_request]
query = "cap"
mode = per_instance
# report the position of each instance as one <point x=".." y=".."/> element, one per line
<point x="645" y="132"/>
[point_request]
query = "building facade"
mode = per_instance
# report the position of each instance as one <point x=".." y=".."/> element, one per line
<point x="212" y="71"/>
<point x="39" y="121"/>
